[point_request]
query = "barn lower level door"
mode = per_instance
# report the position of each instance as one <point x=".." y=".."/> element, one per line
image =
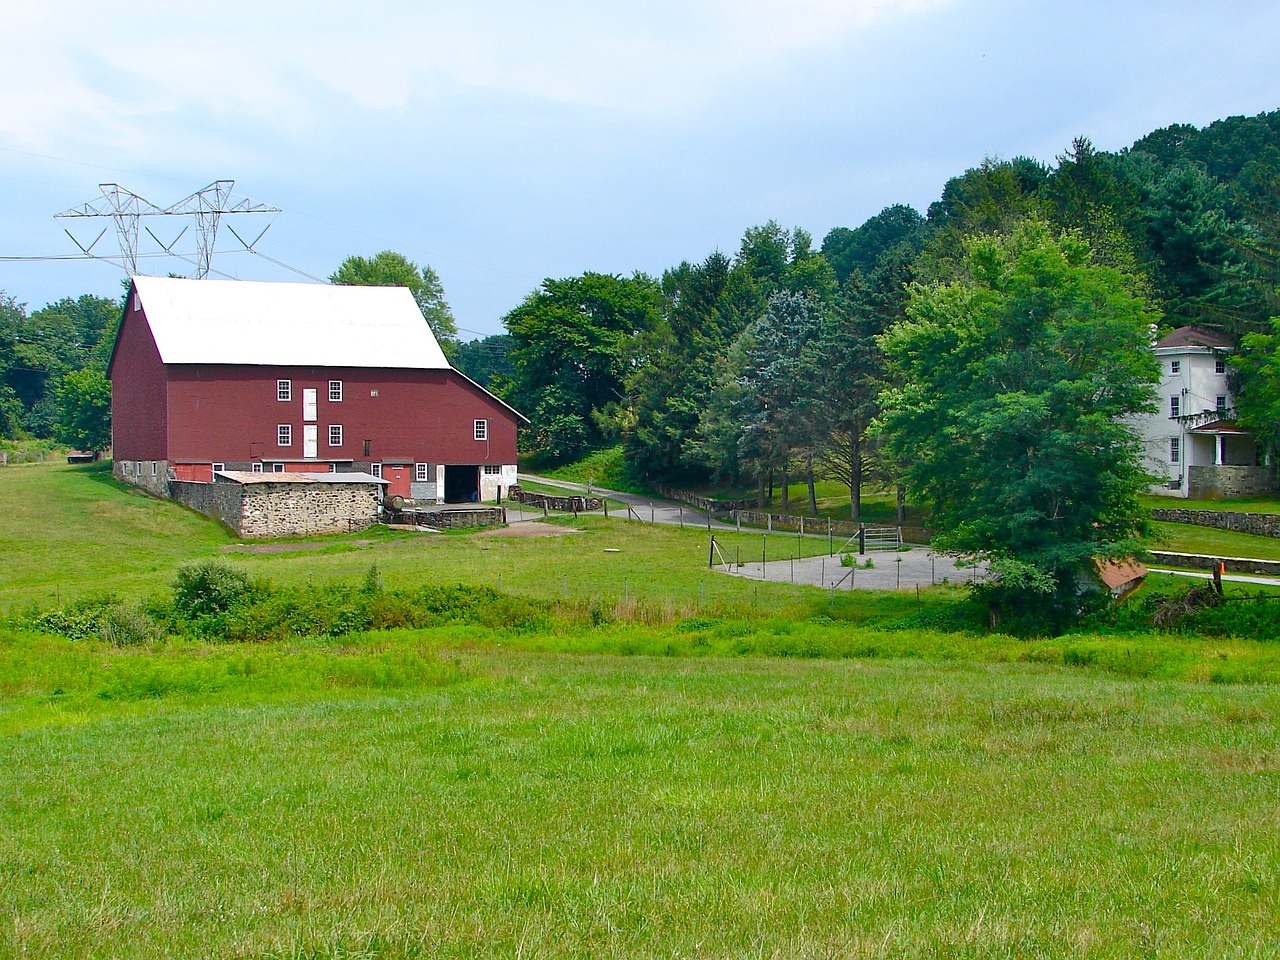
<point x="310" y="445"/>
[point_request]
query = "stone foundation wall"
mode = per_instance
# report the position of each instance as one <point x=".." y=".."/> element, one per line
<point x="704" y="503"/>
<point x="259" y="510"/>
<point x="297" y="509"/>
<point x="222" y="501"/>
<point x="1258" y="524"/>
<point x="454" y="519"/>
<point x="139" y="474"/>
<point x="1225" y="482"/>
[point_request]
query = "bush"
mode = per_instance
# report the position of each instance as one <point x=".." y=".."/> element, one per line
<point x="128" y="626"/>
<point x="211" y="587"/>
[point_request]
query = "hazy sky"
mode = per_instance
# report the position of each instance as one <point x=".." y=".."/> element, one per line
<point x="503" y="142"/>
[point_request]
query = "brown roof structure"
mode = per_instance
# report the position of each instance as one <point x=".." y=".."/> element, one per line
<point x="1193" y="336"/>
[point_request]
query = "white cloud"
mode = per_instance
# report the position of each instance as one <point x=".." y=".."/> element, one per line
<point x="127" y="82"/>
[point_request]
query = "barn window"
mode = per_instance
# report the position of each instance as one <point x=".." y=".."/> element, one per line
<point x="153" y="468"/>
<point x="335" y="434"/>
<point x="376" y="470"/>
<point x="284" y="389"/>
<point x="257" y="468"/>
<point x="492" y="468"/>
<point x="335" y="391"/>
<point x="482" y="430"/>
<point x="277" y="468"/>
<point x="1175" y="450"/>
<point x="219" y="467"/>
<point x="420" y="472"/>
<point x="284" y="435"/>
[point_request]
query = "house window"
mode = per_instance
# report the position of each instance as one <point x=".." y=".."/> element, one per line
<point x="277" y="468"/>
<point x="335" y="435"/>
<point x="1175" y="366"/>
<point x="1220" y="365"/>
<point x="420" y="472"/>
<point x="333" y="468"/>
<point x="219" y="467"/>
<point x="1175" y="406"/>
<point x="482" y="430"/>
<point x="376" y="470"/>
<point x="257" y="468"/>
<point x="492" y="468"/>
<point x="1175" y="449"/>
<point x="335" y="391"/>
<point x="284" y="435"/>
<point x="1220" y="403"/>
<point x="284" y="389"/>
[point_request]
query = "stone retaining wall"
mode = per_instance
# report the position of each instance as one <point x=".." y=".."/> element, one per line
<point x="266" y="509"/>
<point x="1258" y="524"/>
<point x="453" y="519"/>
<point x="704" y="503"/>
<point x="566" y="504"/>
<point x="1234" y="564"/>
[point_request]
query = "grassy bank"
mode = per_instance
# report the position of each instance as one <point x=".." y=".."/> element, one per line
<point x="504" y="804"/>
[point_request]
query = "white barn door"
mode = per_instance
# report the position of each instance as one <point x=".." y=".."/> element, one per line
<point x="309" y="403"/>
<point x="309" y="444"/>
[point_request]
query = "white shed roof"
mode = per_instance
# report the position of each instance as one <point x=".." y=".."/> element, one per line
<point x="287" y="324"/>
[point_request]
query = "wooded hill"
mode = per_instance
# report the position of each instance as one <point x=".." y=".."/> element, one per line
<point x="741" y="368"/>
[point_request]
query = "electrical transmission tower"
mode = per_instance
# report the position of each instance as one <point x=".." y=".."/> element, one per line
<point x="126" y="209"/>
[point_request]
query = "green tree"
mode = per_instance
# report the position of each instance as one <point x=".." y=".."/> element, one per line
<point x="12" y="316"/>
<point x="1014" y="386"/>
<point x="391" y="269"/>
<point x="84" y="402"/>
<point x="571" y="341"/>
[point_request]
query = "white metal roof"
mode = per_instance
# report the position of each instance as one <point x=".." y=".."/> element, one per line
<point x="287" y="324"/>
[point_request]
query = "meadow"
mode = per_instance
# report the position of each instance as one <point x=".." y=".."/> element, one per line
<point x="655" y="761"/>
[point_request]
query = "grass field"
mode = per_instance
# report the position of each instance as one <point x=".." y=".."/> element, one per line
<point x="709" y="768"/>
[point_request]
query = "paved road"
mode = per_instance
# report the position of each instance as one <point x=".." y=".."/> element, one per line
<point x="647" y="508"/>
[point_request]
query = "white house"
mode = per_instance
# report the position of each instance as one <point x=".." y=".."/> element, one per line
<point x="1192" y="443"/>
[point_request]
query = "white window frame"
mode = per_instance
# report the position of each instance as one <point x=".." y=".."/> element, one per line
<point x="284" y="390"/>
<point x="277" y="468"/>
<point x="1175" y="366"/>
<point x="1220" y="403"/>
<point x="284" y="435"/>
<point x="257" y="468"/>
<point x="481" y="430"/>
<point x="335" y="434"/>
<point x="420" y="472"/>
<point x="1175" y="449"/>
<point x="1175" y="407"/>
<point x="376" y="470"/>
<point x="492" y="469"/>
<point x="217" y="467"/>
<point x="335" y="391"/>
<point x="153" y="468"/>
<point x="1219" y="365"/>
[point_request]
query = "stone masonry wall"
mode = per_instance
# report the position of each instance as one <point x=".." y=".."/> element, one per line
<point x="222" y="501"/>
<point x="295" y="509"/>
<point x="1259" y="524"/>
<point x="1229" y="481"/>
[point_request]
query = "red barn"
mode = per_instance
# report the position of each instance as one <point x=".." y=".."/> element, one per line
<point x="212" y="375"/>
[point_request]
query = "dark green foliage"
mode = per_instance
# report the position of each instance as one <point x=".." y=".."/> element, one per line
<point x="487" y="361"/>
<point x="204" y="589"/>
<point x="1008" y="417"/>
<point x="84" y="410"/>
<point x="860" y="250"/>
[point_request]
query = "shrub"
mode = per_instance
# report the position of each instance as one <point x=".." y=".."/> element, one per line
<point x="207" y="588"/>
<point x="128" y="625"/>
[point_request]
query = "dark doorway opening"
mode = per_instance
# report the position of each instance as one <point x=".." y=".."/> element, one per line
<point x="461" y="484"/>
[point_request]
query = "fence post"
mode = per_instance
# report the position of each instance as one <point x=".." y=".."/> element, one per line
<point x="711" y="556"/>
<point x="605" y="501"/>
<point x="682" y="516"/>
<point x="830" y="546"/>
<point x="862" y="538"/>
<point x="651" y="520"/>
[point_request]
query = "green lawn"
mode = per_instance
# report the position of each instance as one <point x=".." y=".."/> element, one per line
<point x="1266" y="504"/>
<point x="515" y="804"/>
<point x="711" y="767"/>
<point x="1189" y="538"/>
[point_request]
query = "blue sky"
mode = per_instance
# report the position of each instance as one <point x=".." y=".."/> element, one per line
<point x="504" y="142"/>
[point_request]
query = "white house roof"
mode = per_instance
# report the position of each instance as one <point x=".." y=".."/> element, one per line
<point x="286" y="324"/>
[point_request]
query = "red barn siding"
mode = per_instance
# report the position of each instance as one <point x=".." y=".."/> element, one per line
<point x="139" y="425"/>
<point x="230" y="413"/>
